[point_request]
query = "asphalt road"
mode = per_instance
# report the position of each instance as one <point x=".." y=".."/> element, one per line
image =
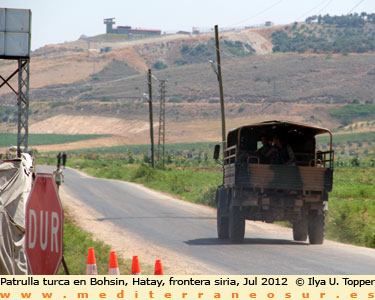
<point x="191" y="230"/>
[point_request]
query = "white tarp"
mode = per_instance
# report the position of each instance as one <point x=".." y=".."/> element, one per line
<point x="15" y="187"/>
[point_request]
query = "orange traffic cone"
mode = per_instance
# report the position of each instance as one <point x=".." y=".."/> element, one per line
<point x="91" y="268"/>
<point x="113" y="265"/>
<point x="158" y="268"/>
<point x="136" y="269"/>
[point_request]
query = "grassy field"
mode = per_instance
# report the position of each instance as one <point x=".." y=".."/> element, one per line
<point x="140" y="149"/>
<point x="349" y="137"/>
<point x="10" y="139"/>
<point x="346" y="114"/>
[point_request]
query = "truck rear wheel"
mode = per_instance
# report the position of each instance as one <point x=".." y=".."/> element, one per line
<point x="316" y="228"/>
<point x="300" y="230"/>
<point x="236" y="225"/>
<point x="222" y="215"/>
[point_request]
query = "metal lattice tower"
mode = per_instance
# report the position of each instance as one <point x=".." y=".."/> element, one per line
<point x="161" y="140"/>
<point x="23" y="104"/>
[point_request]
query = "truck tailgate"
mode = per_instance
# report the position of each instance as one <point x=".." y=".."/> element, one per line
<point x="284" y="177"/>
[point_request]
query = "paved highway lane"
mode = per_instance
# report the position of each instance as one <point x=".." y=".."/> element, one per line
<point x="191" y="230"/>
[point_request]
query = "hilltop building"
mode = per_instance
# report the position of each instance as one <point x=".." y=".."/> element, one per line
<point x="128" y="29"/>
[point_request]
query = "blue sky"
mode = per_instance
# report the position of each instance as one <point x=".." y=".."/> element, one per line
<point x="58" y="21"/>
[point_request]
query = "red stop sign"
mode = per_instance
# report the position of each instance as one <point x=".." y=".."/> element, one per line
<point x="44" y="227"/>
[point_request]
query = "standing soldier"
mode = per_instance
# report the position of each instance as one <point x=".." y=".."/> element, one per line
<point x="64" y="159"/>
<point x="59" y="176"/>
<point x="58" y="158"/>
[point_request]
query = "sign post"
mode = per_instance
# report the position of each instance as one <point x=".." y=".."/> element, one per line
<point x="44" y="227"/>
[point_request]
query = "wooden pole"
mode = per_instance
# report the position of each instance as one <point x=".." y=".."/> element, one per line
<point x="151" y="116"/>
<point x="219" y="78"/>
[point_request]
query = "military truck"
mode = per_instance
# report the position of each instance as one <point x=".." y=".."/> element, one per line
<point x="253" y="189"/>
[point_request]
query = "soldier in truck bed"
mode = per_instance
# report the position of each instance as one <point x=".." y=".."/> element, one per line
<point x="282" y="153"/>
<point x="264" y="152"/>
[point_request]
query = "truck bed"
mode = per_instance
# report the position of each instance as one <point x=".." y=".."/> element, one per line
<point x="266" y="176"/>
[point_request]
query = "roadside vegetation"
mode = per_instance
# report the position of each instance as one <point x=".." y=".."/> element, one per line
<point x="76" y="245"/>
<point x="75" y="249"/>
<point x="351" y="215"/>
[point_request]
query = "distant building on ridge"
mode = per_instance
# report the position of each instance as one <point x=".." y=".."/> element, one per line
<point x="109" y="22"/>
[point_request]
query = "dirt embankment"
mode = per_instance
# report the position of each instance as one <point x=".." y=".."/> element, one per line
<point x="123" y="132"/>
<point x="260" y="43"/>
<point x="68" y="124"/>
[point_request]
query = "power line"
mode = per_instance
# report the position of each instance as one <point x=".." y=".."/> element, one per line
<point x="324" y="7"/>
<point x="259" y="13"/>
<point x="310" y="10"/>
<point x="355" y="6"/>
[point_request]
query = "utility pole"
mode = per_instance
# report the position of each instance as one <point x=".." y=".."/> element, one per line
<point x="219" y="78"/>
<point x="161" y="140"/>
<point x="88" y="47"/>
<point x="151" y="116"/>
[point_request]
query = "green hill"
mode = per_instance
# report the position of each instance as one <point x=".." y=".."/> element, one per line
<point x="351" y="33"/>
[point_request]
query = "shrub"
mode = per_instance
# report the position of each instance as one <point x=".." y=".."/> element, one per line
<point x="185" y="49"/>
<point x="238" y="48"/>
<point x="144" y="171"/>
<point x="208" y="196"/>
<point x="181" y="62"/>
<point x="95" y="77"/>
<point x="106" y="99"/>
<point x="175" y="100"/>
<point x="131" y="159"/>
<point x="159" y="65"/>
<point x="178" y="185"/>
